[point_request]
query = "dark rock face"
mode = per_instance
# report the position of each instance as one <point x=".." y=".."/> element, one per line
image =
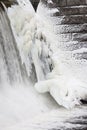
<point x="35" y="3"/>
<point x="10" y="2"/>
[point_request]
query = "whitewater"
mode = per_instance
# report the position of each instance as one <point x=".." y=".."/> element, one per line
<point x="38" y="45"/>
<point x="38" y="75"/>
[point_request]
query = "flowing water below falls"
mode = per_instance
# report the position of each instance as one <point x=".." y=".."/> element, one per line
<point x="36" y="77"/>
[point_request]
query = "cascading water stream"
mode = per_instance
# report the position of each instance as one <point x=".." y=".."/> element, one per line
<point x="9" y="52"/>
<point x="15" y="94"/>
<point x="40" y="51"/>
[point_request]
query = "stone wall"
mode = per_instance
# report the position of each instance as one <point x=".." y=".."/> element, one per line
<point x="72" y="21"/>
<point x="62" y="3"/>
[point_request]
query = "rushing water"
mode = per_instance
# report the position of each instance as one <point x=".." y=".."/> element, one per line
<point x="30" y="52"/>
<point x="39" y="45"/>
<point x="10" y="58"/>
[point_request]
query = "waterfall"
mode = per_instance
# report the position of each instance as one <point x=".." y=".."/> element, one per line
<point x="32" y="50"/>
<point x="38" y="73"/>
<point x="11" y="65"/>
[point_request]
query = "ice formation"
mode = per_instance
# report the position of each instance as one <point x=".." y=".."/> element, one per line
<point x="57" y="69"/>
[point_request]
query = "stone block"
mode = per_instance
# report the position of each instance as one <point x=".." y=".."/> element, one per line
<point x="81" y="37"/>
<point x="76" y="46"/>
<point x="73" y="28"/>
<point x="74" y="19"/>
<point x="73" y="10"/>
<point x="64" y="37"/>
<point x="76" y="2"/>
